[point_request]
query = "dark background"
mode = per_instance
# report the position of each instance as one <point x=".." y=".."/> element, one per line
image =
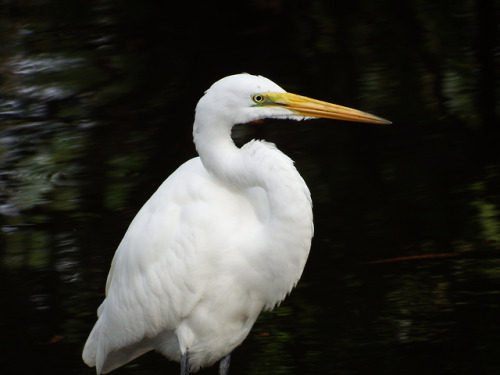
<point x="96" y="108"/>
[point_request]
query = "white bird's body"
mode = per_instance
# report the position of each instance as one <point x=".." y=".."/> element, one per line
<point x="224" y="237"/>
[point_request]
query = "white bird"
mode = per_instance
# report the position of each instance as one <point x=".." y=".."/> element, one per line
<point x="226" y="236"/>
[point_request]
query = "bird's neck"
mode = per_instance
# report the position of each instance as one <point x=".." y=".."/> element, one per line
<point x="288" y="222"/>
<point x="255" y="164"/>
<point x="218" y="153"/>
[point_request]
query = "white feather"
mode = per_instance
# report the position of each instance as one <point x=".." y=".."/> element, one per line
<point x="224" y="237"/>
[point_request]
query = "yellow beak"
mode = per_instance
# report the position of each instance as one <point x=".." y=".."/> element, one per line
<point x="305" y="106"/>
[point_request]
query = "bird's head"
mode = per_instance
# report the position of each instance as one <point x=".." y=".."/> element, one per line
<point x="243" y="98"/>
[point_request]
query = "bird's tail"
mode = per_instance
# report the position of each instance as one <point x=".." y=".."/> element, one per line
<point x="95" y="353"/>
<point x="89" y="354"/>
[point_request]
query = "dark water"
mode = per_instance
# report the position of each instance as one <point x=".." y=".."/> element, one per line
<point x="96" y="107"/>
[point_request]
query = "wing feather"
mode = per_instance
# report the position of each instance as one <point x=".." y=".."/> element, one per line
<point x="160" y="269"/>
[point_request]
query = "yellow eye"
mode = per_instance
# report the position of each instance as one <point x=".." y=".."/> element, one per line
<point x="258" y="98"/>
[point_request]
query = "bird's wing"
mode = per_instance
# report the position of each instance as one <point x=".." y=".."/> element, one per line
<point x="161" y="267"/>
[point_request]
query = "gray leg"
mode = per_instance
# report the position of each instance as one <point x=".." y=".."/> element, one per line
<point x="224" y="365"/>
<point x="185" y="363"/>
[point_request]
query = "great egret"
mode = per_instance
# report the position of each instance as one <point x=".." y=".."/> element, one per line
<point x="226" y="236"/>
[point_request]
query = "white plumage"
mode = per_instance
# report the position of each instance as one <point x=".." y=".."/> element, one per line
<point x="224" y="237"/>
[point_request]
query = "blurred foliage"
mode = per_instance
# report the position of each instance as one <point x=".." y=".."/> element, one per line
<point x="96" y="106"/>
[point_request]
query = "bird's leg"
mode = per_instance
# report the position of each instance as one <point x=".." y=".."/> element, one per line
<point x="185" y="363"/>
<point x="224" y="365"/>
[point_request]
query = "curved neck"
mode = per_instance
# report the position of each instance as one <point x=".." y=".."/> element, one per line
<point x="256" y="164"/>
<point x="286" y="220"/>
<point x="218" y="153"/>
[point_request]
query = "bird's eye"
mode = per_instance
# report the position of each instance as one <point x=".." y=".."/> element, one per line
<point x="258" y="98"/>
